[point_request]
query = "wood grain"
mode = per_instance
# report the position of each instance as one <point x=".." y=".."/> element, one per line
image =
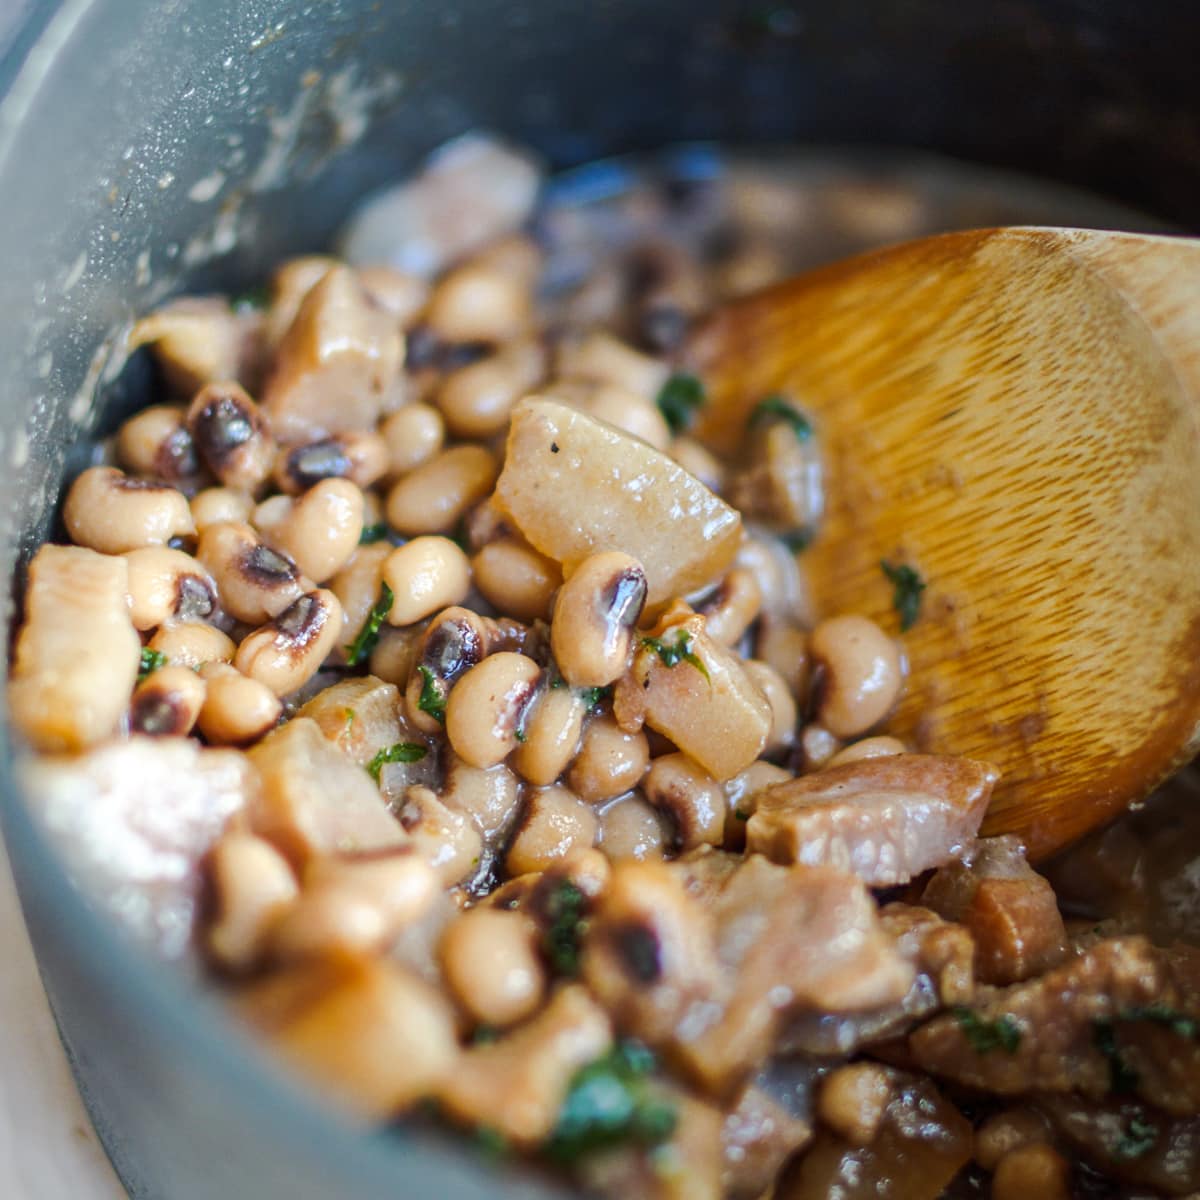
<point x="1015" y="413"/>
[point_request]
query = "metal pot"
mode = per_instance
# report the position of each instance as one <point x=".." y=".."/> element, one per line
<point x="147" y="147"/>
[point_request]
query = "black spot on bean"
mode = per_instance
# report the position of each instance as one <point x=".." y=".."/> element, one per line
<point x="158" y="714"/>
<point x="221" y="427"/>
<point x="176" y="456"/>
<point x="303" y="619"/>
<point x="639" y="951"/>
<point x="421" y="348"/>
<point x="268" y="568"/>
<point x="623" y="598"/>
<point x="194" y="598"/>
<point x="452" y="648"/>
<point x="308" y="465"/>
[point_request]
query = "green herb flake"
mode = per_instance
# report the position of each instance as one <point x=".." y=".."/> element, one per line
<point x="1136" y="1140"/>
<point x="797" y="540"/>
<point x="360" y="649"/>
<point x="1121" y="1076"/>
<point x="491" y="1143"/>
<point x="565" y="921"/>
<point x="485" y="1035"/>
<point x="431" y="700"/>
<point x="672" y="655"/>
<point x="520" y="734"/>
<point x="907" y="586"/>
<point x="151" y="661"/>
<point x="350" y="717"/>
<point x="1160" y="1014"/>
<point x="776" y="408"/>
<point x="255" y="299"/>
<point x="373" y="533"/>
<point x="985" y="1036"/>
<point x="594" y="697"/>
<point x="401" y="752"/>
<point x="609" y="1103"/>
<point x="678" y="399"/>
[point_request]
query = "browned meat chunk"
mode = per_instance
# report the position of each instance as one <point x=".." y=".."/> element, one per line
<point x="1114" y="1018"/>
<point x="758" y="1136"/>
<point x="885" y="819"/>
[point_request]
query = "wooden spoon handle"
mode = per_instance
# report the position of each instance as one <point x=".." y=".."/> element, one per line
<point x="1016" y="414"/>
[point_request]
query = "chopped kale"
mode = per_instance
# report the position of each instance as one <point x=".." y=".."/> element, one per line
<point x="359" y="649"/>
<point x="678" y="399"/>
<point x="777" y="408"/>
<point x="150" y="662"/>
<point x="431" y="700"/>
<point x="985" y="1036"/>
<point x="373" y="533"/>
<point x="564" y="911"/>
<point x="402" y="752"/>
<point x="1122" y="1077"/>
<point x="610" y="1104"/>
<point x="907" y="587"/>
<point x="1137" y="1139"/>
<point x="681" y="651"/>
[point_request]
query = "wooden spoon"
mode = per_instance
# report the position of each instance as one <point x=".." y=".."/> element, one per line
<point x="1016" y="414"/>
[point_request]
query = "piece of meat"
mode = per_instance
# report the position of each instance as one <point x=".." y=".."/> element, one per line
<point x="758" y="1135"/>
<point x="135" y="819"/>
<point x="1009" y="908"/>
<point x="1115" y="1018"/>
<point x="941" y="954"/>
<point x="885" y="819"/>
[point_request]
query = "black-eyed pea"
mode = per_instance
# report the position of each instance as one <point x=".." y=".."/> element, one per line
<point x="393" y="655"/>
<point x="436" y="496"/>
<point x="486" y="707"/>
<point x="156" y="443"/>
<point x="453" y="642"/>
<point x="784" y="647"/>
<point x="357" y="585"/>
<point x="197" y="339"/>
<point x="1034" y="1170"/>
<point x="817" y="746"/>
<point x="254" y="582"/>
<point x="741" y="795"/>
<point x="862" y="674"/>
<point x="425" y="575"/>
<point x="733" y="607"/>
<point x="413" y="434"/>
<point x="555" y="827"/>
<point x="289" y="650"/>
<point x="318" y="530"/>
<point x="167" y="702"/>
<point x="552" y="731"/>
<point x="476" y="400"/>
<point x="444" y="837"/>
<point x="515" y="579"/>
<point x="237" y="710"/>
<point x="109" y="511"/>
<point x="686" y="793"/>
<point x="698" y="461"/>
<point x="397" y="292"/>
<point x="853" y="1101"/>
<point x="489" y="796"/>
<point x="490" y="962"/>
<point x="779" y="697"/>
<point x="628" y="411"/>
<point x="221" y="505"/>
<point x="632" y="828"/>
<point x="165" y="583"/>
<point x="192" y="644"/>
<point x="359" y="457"/>
<point x="372" y="509"/>
<point x="595" y="614"/>
<point x="515" y="254"/>
<point x="253" y="886"/>
<point x="602" y="358"/>
<point x="479" y="303"/>
<point x="610" y="761"/>
<point x="231" y="436"/>
<point x="872" y="747"/>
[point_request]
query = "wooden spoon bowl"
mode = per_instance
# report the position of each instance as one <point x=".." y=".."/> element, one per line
<point x="1016" y="414"/>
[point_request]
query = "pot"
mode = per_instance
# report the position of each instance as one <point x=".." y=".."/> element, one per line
<point x="152" y="147"/>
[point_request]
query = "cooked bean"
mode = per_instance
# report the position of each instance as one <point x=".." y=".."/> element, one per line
<point x="254" y="582"/>
<point x="362" y="458"/>
<point x="192" y="643"/>
<point x="1006" y="1131"/>
<point x="354" y="906"/>
<point x="393" y="655"/>
<point x="436" y="496"/>
<point x="453" y="642"/>
<point x="783" y="707"/>
<point x="425" y="575"/>
<point x="413" y="435"/>
<point x="555" y="826"/>
<point x="733" y="608"/>
<point x="610" y="761"/>
<point x="167" y="583"/>
<point x="741" y="795"/>
<point x="490" y="962"/>
<point x="693" y="799"/>
<point x="1034" y="1170"/>
<point x="862" y="674"/>
<point x="784" y="647"/>
<point x="515" y="254"/>
<point x="319" y="530"/>
<point x="400" y="294"/>
<point x="872" y="747"/>
<point x="156" y="443"/>
<point x="197" y="339"/>
<point x="289" y="650"/>
<point x="253" y="885"/>
<point x="167" y="702"/>
<point x="624" y="409"/>
<point x="490" y="796"/>
<point x="231" y="436"/>
<point x="853" y="1101"/>
<point x="698" y="461"/>
<point x="631" y="828"/>
<point x="479" y="303"/>
<point x="76" y="656"/>
<point x="594" y="617"/>
<point x="218" y="505"/>
<point x="476" y="400"/>
<point x="237" y="709"/>
<point x="514" y="578"/>
<point x="552" y="731"/>
<point x="444" y="837"/>
<point x="487" y="705"/>
<point x="109" y="511"/>
<point x="357" y="585"/>
<point x="817" y="746"/>
<point x="785" y="593"/>
<point x="604" y="359"/>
